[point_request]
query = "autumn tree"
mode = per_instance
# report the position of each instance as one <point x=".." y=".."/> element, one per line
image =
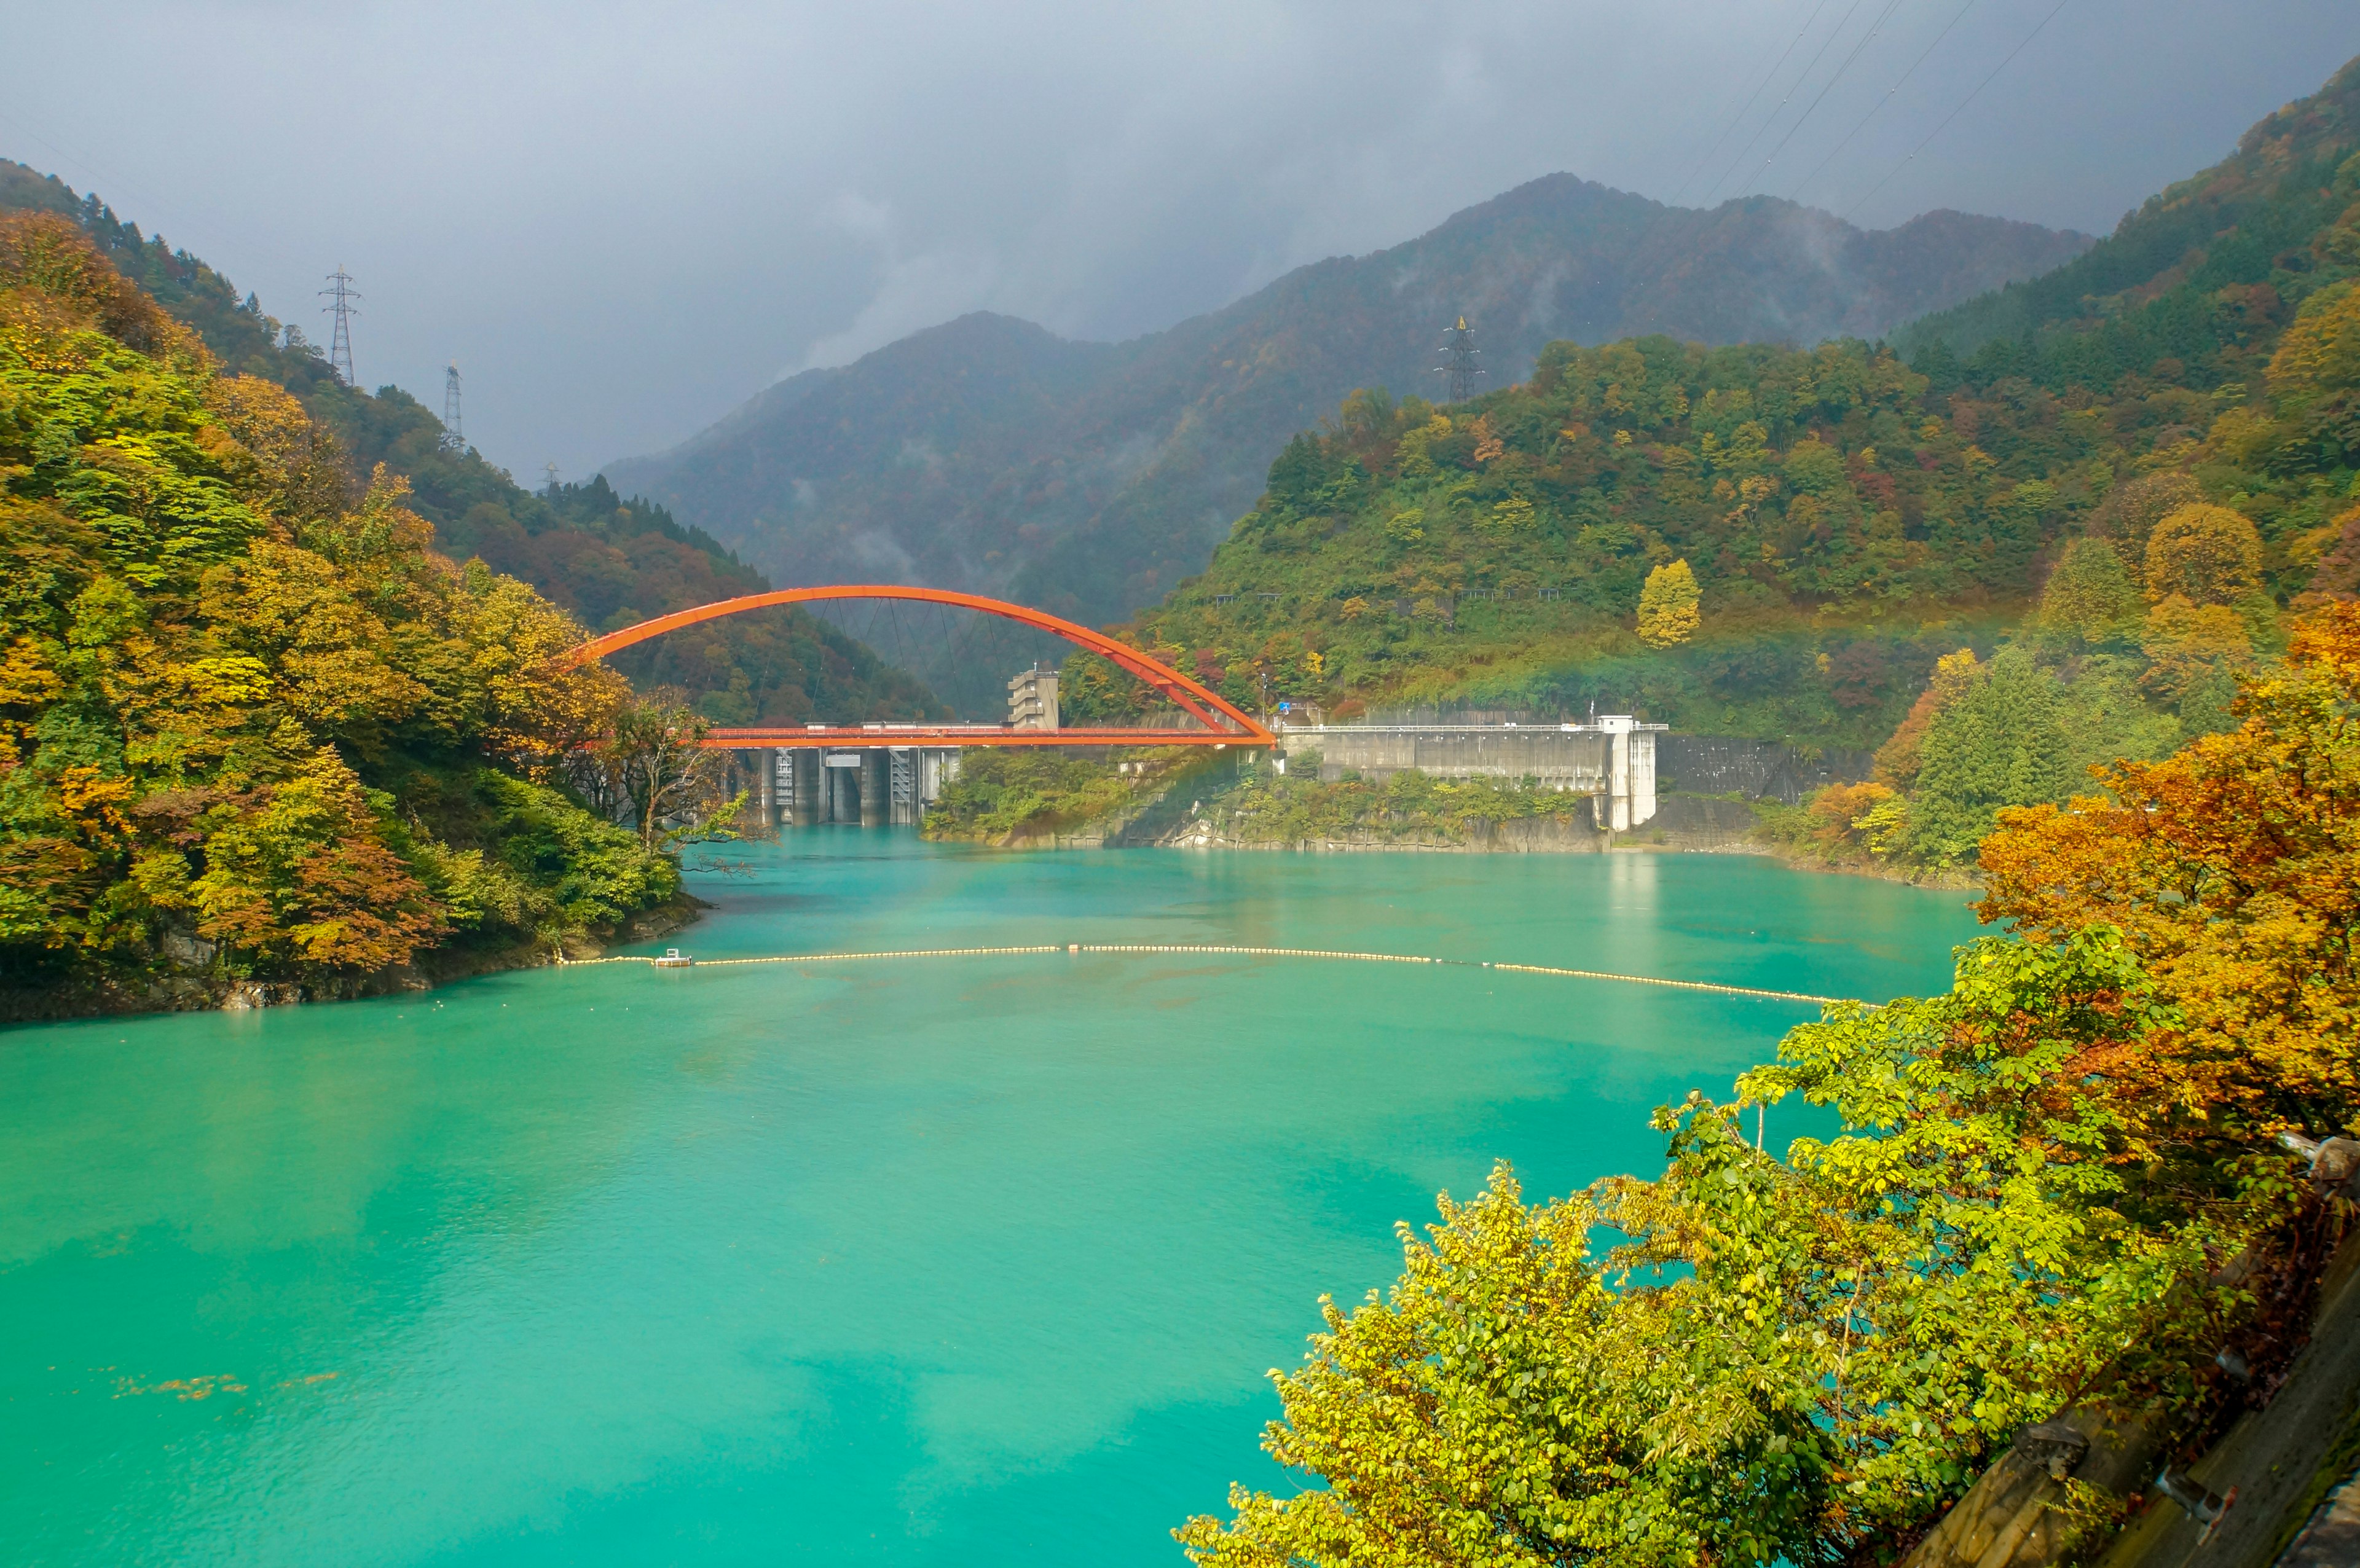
<point x="2232" y="869"/>
<point x="2336" y="573"/>
<point x="2206" y="555"/>
<point x="1900" y="758"/>
<point x="2129" y="515"/>
<point x="2090" y="601"/>
<point x="297" y="877"/>
<point x="1668" y="605"/>
<point x="243" y="703"/>
<point x="2314" y="381"/>
<point x="2193" y="649"/>
<point x="1784" y="1360"/>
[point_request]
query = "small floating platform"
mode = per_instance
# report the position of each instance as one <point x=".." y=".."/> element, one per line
<point x="672" y="959"/>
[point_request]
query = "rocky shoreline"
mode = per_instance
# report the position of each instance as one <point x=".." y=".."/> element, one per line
<point x="184" y="988"/>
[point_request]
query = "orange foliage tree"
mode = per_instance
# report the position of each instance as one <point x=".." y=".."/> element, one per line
<point x="2232" y="869"/>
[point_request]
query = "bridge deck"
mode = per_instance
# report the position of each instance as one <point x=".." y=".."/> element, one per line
<point x="963" y="734"/>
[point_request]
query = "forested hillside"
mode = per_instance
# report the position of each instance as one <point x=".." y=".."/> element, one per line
<point x="1777" y="542"/>
<point x="1090" y="478"/>
<point x="607" y="561"/>
<point x="2020" y="1209"/>
<point x="252" y="728"/>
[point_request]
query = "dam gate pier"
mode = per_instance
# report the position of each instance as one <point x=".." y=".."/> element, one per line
<point x="853" y="786"/>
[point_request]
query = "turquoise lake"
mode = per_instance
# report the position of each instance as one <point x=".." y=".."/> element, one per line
<point x="969" y="1261"/>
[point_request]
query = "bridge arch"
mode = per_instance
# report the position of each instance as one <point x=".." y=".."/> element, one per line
<point x="1224" y="723"/>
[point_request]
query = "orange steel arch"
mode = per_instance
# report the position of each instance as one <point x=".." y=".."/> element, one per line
<point x="1188" y="696"/>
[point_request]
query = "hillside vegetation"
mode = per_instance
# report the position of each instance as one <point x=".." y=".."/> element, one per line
<point x="2092" y="527"/>
<point x="252" y="728"/>
<point x="607" y="561"/>
<point x="2018" y="1210"/>
<point x="990" y="455"/>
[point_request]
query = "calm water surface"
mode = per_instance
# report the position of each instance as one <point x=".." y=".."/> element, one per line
<point x="970" y="1261"/>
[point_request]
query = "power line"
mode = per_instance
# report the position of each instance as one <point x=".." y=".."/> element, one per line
<point x="1954" y="113"/>
<point x="1751" y="100"/>
<point x="156" y="209"/>
<point x="1801" y="77"/>
<point x="344" y="305"/>
<point x="1878" y="107"/>
<point x="1867" y="38"/>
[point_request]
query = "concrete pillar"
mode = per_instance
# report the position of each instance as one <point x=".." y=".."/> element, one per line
<point x="766" y="795"/>
<point x="1642" y="777"/>
<point x="803" y="801"/>
<point x="936" y="768"/>
<point x="1628" y="799"/>
<point x="876" y="796"/>
<point x="843" y="797"/>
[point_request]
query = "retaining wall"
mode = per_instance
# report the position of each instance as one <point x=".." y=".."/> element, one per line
<point x="1757" y="769"/>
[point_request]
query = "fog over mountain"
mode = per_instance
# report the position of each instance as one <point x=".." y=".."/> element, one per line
<point x="991" y="454"/>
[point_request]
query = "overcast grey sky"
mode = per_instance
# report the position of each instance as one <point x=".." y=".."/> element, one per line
<point x="623" y="221"/>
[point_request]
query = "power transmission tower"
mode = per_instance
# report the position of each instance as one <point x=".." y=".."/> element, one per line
<point x="453" y="437"/>
<point x="1458" y="356"/>
<point x="344" y="300"/>
<point x="553" y="479"/>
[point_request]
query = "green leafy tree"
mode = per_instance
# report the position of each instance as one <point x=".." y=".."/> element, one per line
<point x="650" y="767"/>
<point x="1786" y="1360"/>
<point x="2090" y="601"/>
<point x="2002" y="743"/>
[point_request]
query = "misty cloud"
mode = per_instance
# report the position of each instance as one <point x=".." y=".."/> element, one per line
<point x="622" y="224"/>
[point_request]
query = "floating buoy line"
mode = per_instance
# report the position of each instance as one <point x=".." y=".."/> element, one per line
<point x="673" y="960"/>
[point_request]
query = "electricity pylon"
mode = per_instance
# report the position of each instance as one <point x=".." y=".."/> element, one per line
<point x="1458" y="356"/>
<point x="453" y="437"/>
<point x="343" y="302"/>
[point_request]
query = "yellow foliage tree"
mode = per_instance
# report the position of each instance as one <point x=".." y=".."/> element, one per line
<point x="2208" y="555"/>
<point x="1668" y="605"/>
<point x="2132" y="509"/>
<point x="2184" y="643"/>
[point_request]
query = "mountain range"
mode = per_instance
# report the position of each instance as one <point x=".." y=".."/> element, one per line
<point x="1089" y="478"/>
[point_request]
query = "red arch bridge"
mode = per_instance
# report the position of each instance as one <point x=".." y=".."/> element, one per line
<point x="881" y="773"/>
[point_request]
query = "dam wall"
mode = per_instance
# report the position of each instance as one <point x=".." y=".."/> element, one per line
<point x="1612" y="760"/>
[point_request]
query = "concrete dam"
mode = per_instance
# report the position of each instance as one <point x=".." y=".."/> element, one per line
<point x="1613" y="759"/>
